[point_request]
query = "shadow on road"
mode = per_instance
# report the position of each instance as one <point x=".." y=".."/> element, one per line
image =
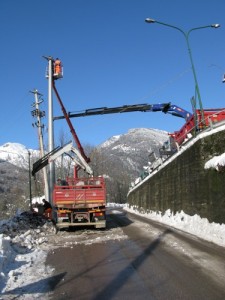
<point x="115" y="285"/>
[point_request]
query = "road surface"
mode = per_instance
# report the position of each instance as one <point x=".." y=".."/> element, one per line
<point x="135" y="258"/>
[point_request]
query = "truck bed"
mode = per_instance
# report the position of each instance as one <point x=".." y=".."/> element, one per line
<point x="84" y="193"/>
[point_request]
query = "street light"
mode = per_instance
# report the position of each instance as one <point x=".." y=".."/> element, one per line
<point x="186" y="35"/>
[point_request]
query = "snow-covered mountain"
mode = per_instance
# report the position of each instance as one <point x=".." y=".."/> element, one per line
<point x="17" y="154"/>
<point x="131" y="150"/>
<point x="135" y="135"/>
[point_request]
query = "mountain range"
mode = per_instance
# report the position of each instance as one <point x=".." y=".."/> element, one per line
<point x="121" y="158"/>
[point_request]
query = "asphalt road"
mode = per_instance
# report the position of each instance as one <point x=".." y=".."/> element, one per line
<point x="149" y="261"/>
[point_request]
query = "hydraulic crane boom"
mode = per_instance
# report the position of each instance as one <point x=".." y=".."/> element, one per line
<point x="58" y="151"/>
<point x="163" y="107"/>
<point x="72" y="130"/>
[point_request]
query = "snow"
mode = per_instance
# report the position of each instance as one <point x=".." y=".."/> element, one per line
<point x="25" y="242"/>
<point x="22" y="268"/>
<point x="216" y="162"/>
<point x="195" y="225"/>
<point x="17" y="154"/>
<point x="110" y="141"/>
<point x="124" y="148"/>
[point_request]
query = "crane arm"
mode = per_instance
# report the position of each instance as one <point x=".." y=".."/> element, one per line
<point x="58" y="151"/>
<point x="163" y="107"/>
<point x="72" y="130"/>
<point x="49" y="157"/>
<point x="171" y="109"/>
<point x="81" y="161"/>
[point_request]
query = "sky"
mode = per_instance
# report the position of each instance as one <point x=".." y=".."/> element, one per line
<point x="22" y="258"/>
<point x="111" y="57"/>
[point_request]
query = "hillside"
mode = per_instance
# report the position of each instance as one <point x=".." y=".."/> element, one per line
<point x="14" y="188"/>
<point x="122" y="157"/>
<point x="14" y="177"/>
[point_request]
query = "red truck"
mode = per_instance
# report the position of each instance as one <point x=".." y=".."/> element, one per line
<point x="80" y="203"/>
<point x="76" y="201"/>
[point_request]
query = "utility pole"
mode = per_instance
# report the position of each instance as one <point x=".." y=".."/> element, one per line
<point x="51" y="177"/>
<point x="40" y="114"/>
<point x="51" y="76"/>
<point x="30" y="191"/>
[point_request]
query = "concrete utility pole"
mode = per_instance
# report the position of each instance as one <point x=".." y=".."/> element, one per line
<point x="39" y="114"/>
<point x="51" y="177"/>
<point x="30" y="190"/>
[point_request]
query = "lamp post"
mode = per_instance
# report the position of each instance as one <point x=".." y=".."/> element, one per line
<point x="186" y="35"/>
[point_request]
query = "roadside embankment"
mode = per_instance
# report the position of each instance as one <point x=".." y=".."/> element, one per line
<point x="185" y="184"/>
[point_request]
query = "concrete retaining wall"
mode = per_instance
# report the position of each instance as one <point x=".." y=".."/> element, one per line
<point x="185" y="185"/>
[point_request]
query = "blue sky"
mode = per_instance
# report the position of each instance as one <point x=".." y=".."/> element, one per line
<point x="111" y="57"/>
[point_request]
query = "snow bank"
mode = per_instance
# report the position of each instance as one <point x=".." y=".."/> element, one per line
<point x="212" y="232"/>
<point x="21" y="254"/>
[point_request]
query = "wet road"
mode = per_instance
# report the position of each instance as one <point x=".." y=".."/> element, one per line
<point x="135" y="258"/>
